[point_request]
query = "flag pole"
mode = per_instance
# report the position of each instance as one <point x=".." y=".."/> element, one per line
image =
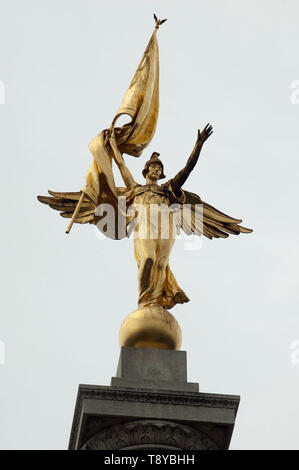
<point x="75" y="213"/>
<point x="157" y="25"/>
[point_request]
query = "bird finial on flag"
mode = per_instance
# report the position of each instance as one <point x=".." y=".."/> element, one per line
<point x="159" y="22"/>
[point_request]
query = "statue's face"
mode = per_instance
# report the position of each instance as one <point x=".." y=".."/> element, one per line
<point x="154" y="171"/>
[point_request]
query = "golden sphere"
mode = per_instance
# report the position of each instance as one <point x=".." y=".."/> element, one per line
<point x="150" y="327"/>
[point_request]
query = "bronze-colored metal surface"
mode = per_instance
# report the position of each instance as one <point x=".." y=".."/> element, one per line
<point x="150" y="327"/>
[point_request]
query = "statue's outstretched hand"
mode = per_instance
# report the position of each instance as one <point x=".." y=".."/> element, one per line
<point x="205" y="134"/>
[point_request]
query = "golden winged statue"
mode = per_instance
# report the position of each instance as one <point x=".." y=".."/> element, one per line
<point x="157" y="285"/>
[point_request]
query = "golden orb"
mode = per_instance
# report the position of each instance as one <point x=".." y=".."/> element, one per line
<point x="150" y="327"/>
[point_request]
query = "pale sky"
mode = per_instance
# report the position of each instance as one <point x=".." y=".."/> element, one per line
<point x="64" y="68"/>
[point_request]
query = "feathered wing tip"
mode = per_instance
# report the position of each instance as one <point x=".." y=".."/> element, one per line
<point x="245" y="230"/>
<point x="211" y="222"/>
<point x="213" y="228"/>
<point x="66" y="203"/>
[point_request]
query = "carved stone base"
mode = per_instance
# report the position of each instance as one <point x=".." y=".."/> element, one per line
<point x="150" y="409"/>
<point x="150" y="434"/>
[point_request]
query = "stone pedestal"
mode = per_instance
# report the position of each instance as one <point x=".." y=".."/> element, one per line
<point x="150" y="405"/>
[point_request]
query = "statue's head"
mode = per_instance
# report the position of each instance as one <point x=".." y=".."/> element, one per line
<point x="153" y="168"/>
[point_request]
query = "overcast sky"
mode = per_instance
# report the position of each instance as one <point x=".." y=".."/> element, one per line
<point x="64" y="68"/>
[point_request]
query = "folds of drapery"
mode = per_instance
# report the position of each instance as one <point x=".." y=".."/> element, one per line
<point x="141" y="103"/>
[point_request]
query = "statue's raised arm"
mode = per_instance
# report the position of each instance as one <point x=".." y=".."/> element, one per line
<point x="179" y="180"/>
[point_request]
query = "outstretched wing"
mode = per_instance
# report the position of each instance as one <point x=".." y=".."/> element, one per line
<point x="208" y="221"/>
<point x="66" y="203"/>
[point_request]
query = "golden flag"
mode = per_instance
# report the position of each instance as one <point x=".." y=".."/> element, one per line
<point x="141" y="103"/>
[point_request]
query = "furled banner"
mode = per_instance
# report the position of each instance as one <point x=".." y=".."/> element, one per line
<point x="141" y="103"/>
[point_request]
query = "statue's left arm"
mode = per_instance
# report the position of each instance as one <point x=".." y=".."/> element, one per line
<point x="179" y="180"/>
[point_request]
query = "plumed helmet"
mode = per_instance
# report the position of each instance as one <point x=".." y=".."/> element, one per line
<point x="154" y="159"/>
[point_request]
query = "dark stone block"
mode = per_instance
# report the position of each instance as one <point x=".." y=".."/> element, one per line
<point x="157" y="369"/>
<point x="147" y="407"/>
